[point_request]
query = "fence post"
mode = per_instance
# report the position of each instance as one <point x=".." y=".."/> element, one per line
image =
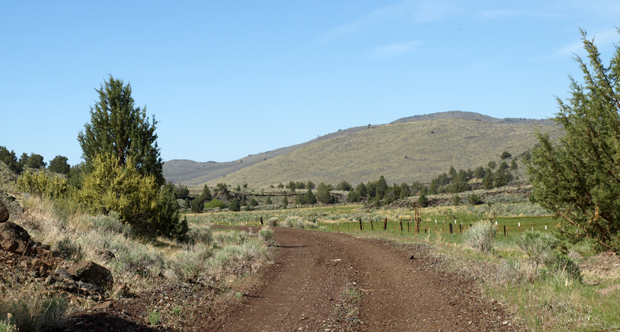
<point x="461" y="228"/>
<point x="450" y="228"/>
<point x="401" y="225"/>
<point x="338" y="225"/>
<point x="505" y="230"/>
<point x="261" y="221"/>
<point x="385" y="224"/>
<point x="372" y="228"/>
<point x="361" y="227"/>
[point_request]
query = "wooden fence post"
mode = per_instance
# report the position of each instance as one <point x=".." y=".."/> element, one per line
<point x="450" y="228"/>
<point x="361" y="227"/>
<point x="385" y="224"/>
<point x="261" y="221"/>
<point x="505" y="230"/>
<point x="372" y="228"/>
<point x="401" y="225"/>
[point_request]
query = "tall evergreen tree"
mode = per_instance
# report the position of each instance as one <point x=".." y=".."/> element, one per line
<point x="381" y="186"/>
<point x="120" y="128"/>
<point x="322" y="194"/>
<point x="578" y="176"/>
<point x="310" y="199"/>
<point x="206" y="194"/>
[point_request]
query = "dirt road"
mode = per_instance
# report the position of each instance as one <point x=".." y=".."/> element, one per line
<point x="335" y="282"/>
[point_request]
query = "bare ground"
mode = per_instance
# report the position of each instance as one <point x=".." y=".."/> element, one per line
<point x="318" y="281"/>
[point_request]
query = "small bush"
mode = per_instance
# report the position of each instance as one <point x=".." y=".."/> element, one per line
<point x="153" y="317"/>
<point x="310" y="225"/>
<point x="200" y="235"/>
<point x="27" y="315"/>
<point x="69" y="249"/>
<point x="215" y="203"/>
<point x="266" y="234"/>
<point x="294" y="221"/>
<point x="481" y="236"/>
<point x="273" y="222"/>
<point x="542" y="250"/>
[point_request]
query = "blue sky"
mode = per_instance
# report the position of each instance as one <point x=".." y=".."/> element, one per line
<point x="230" y="78"/>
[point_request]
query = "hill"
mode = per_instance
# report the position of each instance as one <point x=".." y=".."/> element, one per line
<point x="472" y="116"/>
<point x="402" y="152"/>
<point x="195" y="173"/>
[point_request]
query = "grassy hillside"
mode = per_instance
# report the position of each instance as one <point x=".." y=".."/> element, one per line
<point x="402" y="152"/>
<point x="191" y="172"/>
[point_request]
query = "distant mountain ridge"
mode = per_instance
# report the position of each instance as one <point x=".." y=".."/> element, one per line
<point x="473" y="116"/>
<point x="191" y="172"/>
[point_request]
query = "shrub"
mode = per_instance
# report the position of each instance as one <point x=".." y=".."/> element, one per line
<point x="423" y="201"/>
<point x="473" y="199"/>
<point x="69" y="249"/>
<point x="268" y="201"/>
<point x="309" y="225"/>
<point x="481" y="236"/>
<point x="215" y="203"/>
<point x="542" y="250"/>
<point x="294" y="221"/>
<point x="42" y="185"/>
<point x="266" y="234"/>
<point x="59" y="165"/>
<point x="200" y="235"/>
<point x="198" y="205"/>
<point x="505" y="155"/>
<point x="136" y="198"/>
<point x="272" y="222"/>
<point x="26" y="315"/>
<point x="456" y="200"/>
<point x="253" y="202"/>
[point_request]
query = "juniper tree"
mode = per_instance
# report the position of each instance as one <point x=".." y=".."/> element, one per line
<point x="59" y="165"/>
<point x="206" y="194"/>
<point x="578" y="176"/>
<point x="121" y="129"/>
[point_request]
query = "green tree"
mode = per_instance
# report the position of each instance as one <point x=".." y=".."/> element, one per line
<point x="310" y="199"/>
<point x="197" y="205"/>
<point x="479" y="172"/>
<point x="245" y="185"/>
<point x="268" y="200"/>
<point x="310" y="185"/>
<point x="238" y="188"/>
<point x="492" y="164"/>
<point x="344" y="186"/>
<point x="323" y="195"/>
<point x="381" y="186"/>
<point x="361" y="189"/>
<point x="121" y="129"/>
<point x="503" y="165"/>
<point x="10" y="160"/>
<point x="487" y="181"/>
<point x="182" y="191"/>
<point x="300" y="198"/>
<point x="253" y="202"/>
<point x="456" y="200"/>
<point x="206" y="194"/>
<point x="423" y="200"/>
<point x="280" y="185"/>
<point x="234" y="206"/>
<point x="404" y="191"/>
<point x="473" y="199"/>
<point x="300" y="185"/>
<point x="285" y="201"/>
<point x="513" y="165"/>
<point x="354" y="196"/>
<point x="138" y="199"/>
<point x="60" y="165"/>
<point x="505" y="155"/>
<point x="578" y="176"/>
<point x="35" y="161"/>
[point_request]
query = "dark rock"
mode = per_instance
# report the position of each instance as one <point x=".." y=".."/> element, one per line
<point x="4" y="213"/>
<point x="9" y="245"/>
<point x="10" y="230"/>
<point x="93" y="273"/>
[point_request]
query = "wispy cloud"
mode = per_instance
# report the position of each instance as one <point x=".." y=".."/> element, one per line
<point x="603" y="39"/>
<point x="411" y="10"/>
<point x="394" y="50"/>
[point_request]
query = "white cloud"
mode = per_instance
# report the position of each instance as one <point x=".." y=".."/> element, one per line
<point x="394" y="50"/>
<point x="600" y="39"/>
<point x="414" y="10"/>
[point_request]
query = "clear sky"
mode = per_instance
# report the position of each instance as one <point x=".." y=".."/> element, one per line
<point x="230" y="78"/>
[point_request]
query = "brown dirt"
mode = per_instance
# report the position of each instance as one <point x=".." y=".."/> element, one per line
<point x="401" y="290"/>
<point x="318" y="282"/>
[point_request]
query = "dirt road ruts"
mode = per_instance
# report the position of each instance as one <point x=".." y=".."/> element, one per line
<point x="400" y="292"/>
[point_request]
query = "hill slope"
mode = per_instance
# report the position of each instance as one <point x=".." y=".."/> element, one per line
<point x="402" y="152"/>
<point x="194" y="173"/>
